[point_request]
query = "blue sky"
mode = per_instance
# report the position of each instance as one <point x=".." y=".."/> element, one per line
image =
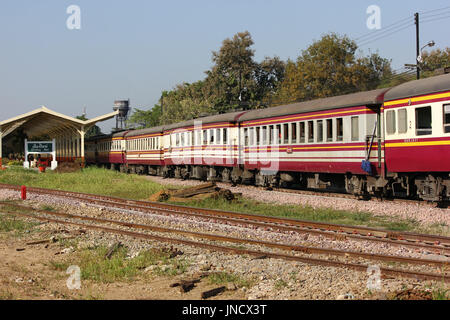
<point x="135" y="49"/>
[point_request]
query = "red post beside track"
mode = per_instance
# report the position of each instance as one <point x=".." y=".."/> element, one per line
<point x="23" y="192"/>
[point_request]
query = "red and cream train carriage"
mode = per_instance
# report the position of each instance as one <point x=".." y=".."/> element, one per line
<point x="417" y="142"/>
<point x="145" y="150"/>
<point x="107" y="150"/>
<point x="318" y="144"/>
<point x="387" y="141"/>
<point x="203" y="148"/>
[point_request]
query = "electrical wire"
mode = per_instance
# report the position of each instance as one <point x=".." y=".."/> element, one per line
<point x="433" y="20"/>
<point x="424" y="13"/>
<point x="387" y="28"/>
<point x="363" y="43"/>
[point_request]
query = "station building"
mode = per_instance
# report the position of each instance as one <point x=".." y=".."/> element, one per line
<point x="66" y="134"/>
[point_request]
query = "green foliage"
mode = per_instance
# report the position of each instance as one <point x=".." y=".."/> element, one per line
<point x="434" y="60"/>
<point x="186" y="101"/>
<point x="440" y="293"/>
<point x="145" y="118"/>
<point x="314" y="214"/>
<point x="8" y="224"/>
<point x="89" y="180"/>
<point x="221" y="278"/>
<point x="331" y="67"/>
<point x="94" y="266"/>
<point x="235" y="81"/>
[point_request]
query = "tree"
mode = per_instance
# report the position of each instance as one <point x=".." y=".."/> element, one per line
<point x="145" y="119"/>
<point x="93" y="131"/>
<point x="233" y="71"/>
<point x="435" y="60"/>
<point x="330" y="67"/>
<point x="269" y="74"/>
<point x="186" y="101"/>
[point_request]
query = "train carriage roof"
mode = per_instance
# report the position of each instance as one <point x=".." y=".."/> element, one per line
<point x="120" y="134"/>
<point x="365" y="98"/>
<point x="419" y="87"/>
<point x="225" y="117"/>
<point x="141" y="132"/>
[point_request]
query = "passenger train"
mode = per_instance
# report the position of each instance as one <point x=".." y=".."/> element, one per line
<point x="385" y="142"/>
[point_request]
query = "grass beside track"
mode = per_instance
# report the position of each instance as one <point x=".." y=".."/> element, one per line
<point x="112" y="183"/>
<point x="312" y="214"/>
<point x="89" y="180"/>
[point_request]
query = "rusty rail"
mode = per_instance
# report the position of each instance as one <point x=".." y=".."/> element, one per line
<point x="359" y="267"/>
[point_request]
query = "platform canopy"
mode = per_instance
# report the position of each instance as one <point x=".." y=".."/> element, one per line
<point x="68" y="132"/>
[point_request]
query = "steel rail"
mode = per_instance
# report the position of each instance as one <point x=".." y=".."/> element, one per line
<point x="430" y="242"/>
<point x="298" y="248"/>
<point x="286" y="221"/>
<point x="314" y="261"/>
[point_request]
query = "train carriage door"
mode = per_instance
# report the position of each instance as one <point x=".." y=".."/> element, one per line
<point x="373" y="136"/>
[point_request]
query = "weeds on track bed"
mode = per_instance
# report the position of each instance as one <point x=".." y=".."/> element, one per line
<point x="308" y="213"/>
<point x="16" y="225"/>
<point x="94" y="266"/>
<point x="221" y="278"/>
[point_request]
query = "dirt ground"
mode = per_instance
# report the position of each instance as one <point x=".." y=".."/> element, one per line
<point x="26" y="273"/>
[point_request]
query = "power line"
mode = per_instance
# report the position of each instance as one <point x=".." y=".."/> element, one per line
<point x="363" y="43"/>
<point x="401" y="25"/>
<point x="434" y="10"/>
<point x="436" y="15"/>
<point x="377" y="32"/>
<point x="433" y="20"/>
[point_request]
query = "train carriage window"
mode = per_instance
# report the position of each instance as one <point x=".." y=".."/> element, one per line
<point x="278" y="134"/>
<point x="245" y="136"/>
<point x="390" y="122"/>
<point x="225" y="136"/>
<point x="402" y="121"/>
<point x="294" y="128"/>
<point x="446" y="118"/>
<point x="319" y="130"/>
<point x="192" y="138"/>
<point x="211" y="136"/>
<point x="258" y="137"/>
<point x="310" y="131"/>
<point x="423" y="121"/>
<point x="302" y="132"/>
<point x="339" y="129"/>
<point x="218" y="139"/>
<point x="329" y="130"/>
<point x="355" y="128"/>
<point x="286" y="133"/>
<point x="264" y="135"/>
<point x="205" y="137"/>
<point x="270" y="140"/>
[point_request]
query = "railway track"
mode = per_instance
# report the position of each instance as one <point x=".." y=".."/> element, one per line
<point x="427" y="243"/>
<point x="353" y="197"/>
<point x="300" y="252"/>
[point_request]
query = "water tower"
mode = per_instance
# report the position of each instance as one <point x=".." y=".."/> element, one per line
<point x="124" y="108"/>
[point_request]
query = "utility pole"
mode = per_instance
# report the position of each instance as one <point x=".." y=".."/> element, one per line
<point x="416" y="16"/>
